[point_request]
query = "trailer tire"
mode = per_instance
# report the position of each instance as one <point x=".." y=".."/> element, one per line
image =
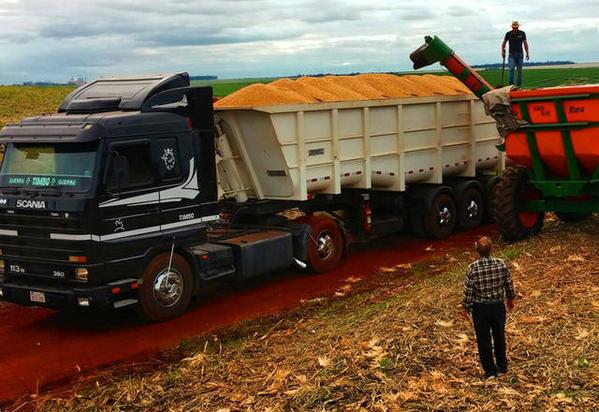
<point x="440" y="219"/>
<point x="160" y="300"/>
<point x="471" y="208"/>
<point x="325" y="243"/>
<point x="572" y="217"/>
<point x="512" y="190"/>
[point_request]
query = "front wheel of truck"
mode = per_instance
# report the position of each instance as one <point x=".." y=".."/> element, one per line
<point x="165" y="291"/>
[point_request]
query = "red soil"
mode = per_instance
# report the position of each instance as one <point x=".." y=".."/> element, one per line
<point x="40" y="347"/>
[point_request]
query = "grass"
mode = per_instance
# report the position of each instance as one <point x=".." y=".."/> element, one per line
<point x="394" y="345"/>
<point x="224" y="87"/>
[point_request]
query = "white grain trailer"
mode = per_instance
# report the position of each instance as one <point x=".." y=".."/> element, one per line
<point x="427" y="160"/>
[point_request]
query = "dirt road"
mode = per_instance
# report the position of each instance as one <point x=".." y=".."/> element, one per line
<point x="40" y="348"/>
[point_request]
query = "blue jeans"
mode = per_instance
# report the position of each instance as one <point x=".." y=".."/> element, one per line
<point x="515" y="60"/>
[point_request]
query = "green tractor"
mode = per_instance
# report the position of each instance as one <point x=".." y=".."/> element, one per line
<point x="551" y="136"/>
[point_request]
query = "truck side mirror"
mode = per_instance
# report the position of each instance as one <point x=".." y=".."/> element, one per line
<point x="118" y="172"/>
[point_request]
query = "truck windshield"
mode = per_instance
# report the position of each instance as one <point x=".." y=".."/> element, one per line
<point x="68" y="166"/>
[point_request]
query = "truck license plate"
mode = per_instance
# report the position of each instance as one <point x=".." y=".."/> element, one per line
<point x="37" y="297"/>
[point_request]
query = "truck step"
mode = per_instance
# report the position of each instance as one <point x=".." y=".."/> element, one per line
<point x="218" y="273"/>
<point x="124" y="302"/>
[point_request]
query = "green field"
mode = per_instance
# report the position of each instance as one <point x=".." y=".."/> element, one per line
<point x="532" y="78"/>
<point x="17" y="102"/>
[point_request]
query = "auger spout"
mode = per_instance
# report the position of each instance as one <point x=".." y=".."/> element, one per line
<point x="435" y="50"/>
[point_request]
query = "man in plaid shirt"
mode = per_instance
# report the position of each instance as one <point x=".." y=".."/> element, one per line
<point x="487" y="285"/>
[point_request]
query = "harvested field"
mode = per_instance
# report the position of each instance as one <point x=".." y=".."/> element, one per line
<point x="17" y="102"/>
<point x="342" y="88"/>
<point x="397" y="346"/>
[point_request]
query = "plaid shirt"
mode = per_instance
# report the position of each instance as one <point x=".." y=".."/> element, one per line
<point x="488" y="279"/>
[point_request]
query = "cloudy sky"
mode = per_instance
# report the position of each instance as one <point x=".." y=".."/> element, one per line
<point x="55" y="40"/>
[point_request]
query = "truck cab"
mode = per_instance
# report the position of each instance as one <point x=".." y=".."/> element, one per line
<point x="114" y="191"/>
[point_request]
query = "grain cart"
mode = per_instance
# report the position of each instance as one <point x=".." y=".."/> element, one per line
<point x="114" y="200"/>
<point x="554" y="142"/>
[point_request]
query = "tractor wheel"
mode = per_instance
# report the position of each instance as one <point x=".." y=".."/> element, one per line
<point x="440" y="220"/>
<point x="165" y="293"/>
<point x="471" y="208"/>
<point x="325" y="244"/>
<point x="490" y="188"/>
<point x="567" y="217"/>
<point x="511" y="193"/>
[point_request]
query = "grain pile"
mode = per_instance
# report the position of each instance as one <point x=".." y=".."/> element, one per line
<point x="342" y="88"/>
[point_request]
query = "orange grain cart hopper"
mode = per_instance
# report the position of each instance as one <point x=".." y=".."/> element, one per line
<point x="556" y="150"/>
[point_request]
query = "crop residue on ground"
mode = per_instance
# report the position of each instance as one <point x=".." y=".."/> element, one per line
<point x="399" y="346"/>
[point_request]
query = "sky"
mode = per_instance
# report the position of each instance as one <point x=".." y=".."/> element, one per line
<point x="48" y="40"/>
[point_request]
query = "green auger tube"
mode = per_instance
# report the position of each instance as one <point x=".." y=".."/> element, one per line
<point x="435" y="50"/>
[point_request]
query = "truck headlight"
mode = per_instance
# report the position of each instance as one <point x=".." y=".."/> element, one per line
<point x="81" y="274"/>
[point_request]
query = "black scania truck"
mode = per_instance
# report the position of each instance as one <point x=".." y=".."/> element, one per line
<point x="113" y="201"/>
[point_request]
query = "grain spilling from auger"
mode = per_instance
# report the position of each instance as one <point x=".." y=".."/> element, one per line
<point x="342" y="88"/>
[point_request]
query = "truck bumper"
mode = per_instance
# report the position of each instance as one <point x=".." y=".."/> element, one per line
<point x="112" y="295"/>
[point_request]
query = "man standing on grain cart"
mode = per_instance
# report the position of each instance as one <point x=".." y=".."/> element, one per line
<point x="516" y="39"/>
<point x="488" y="283"/>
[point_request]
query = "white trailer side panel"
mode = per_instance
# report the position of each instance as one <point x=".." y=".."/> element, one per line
<point x="290" y="151"/>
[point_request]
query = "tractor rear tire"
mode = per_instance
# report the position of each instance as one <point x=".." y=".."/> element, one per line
<point x="512" y="191"/>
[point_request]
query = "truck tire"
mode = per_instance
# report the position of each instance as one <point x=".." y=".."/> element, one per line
<point x="573" y="217"/>
<point x="440" y="220"/>
<point x="325" y="243"/>
<point x="489" y="192"/>
<point x="471" y="208"/>
<point x="512" y="191"/>
<point x="163" y="294"/>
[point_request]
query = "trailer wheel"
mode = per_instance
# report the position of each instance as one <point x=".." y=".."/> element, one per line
<point x="440" y="220"/>
<point x="165" y="293"/>
<point x="512" y="191"/>
<point x="471" y="208"/>
<point x="573" y="217"/>
<point x="325" y="244"/>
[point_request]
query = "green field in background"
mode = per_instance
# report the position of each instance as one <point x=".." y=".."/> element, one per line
<point x="531" y="77"/>
<point x="17" y="102"/>
<point x="223" y="87"/>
